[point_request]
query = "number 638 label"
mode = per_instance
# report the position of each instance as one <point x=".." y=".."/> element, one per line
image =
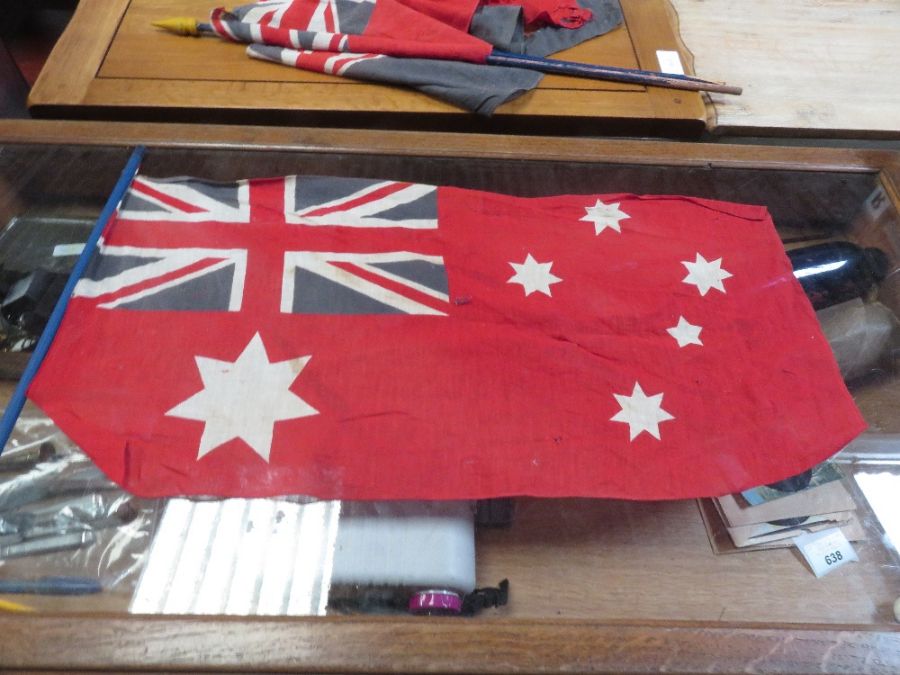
<point x="826" y="550"/>
<point x="833" y="558"/>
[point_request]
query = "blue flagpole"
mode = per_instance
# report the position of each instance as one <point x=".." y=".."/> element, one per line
<point x="17" y="402"/>
<point x="612" y="73"/>
<point x="497" y="57"/>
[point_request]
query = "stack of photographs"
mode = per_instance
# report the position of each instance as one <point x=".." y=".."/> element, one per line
<point x="770" y="516"/>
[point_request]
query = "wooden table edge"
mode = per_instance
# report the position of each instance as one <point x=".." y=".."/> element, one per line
<point x="665" y="102"/>
<point x="709" y="109"/>
<point x="51" y="88"/>
<point x="806" y="133"/>
<point x="446" y="144"/>
<point x="366" y="644"/>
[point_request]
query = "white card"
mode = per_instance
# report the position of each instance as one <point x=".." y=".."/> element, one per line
<point x="669" y="62"/>
<point x="62" y="250"/>
<point x="826" y="550"/>
<point x="877" y="203"/>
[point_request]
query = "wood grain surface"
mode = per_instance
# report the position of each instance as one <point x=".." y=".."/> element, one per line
<point x="436" y="645"/>
<point x="126" y="68"/>
<point x="826" y="67"/>
<point x="499" y="147"/>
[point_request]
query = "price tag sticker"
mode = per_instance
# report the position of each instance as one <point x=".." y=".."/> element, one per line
<point x="669" y="62"/>
<point x="877" y="203"/>
<point x="64" y="250"/>
<point x="826" y="550"/>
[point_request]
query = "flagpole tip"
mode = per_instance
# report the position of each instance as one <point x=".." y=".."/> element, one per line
<point x="180" y="25"/>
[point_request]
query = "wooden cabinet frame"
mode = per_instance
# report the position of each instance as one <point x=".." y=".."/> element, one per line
<point x="118" y="642"/>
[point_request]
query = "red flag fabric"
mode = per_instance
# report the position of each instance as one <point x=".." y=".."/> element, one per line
<point x="438" y="48"/>
<point x="564" y="13"/>
<point x="361" y="339"/>
<point x="408" y="28"/>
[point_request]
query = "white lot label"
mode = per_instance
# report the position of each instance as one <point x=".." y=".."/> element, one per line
<point x="669" y="62"/>
<point x="826" y="550"/>
<point x="877" y="203"/>
<point x="62" y="250"/>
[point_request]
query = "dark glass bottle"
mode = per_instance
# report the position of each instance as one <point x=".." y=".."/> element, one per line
<point x="837" y="271"/>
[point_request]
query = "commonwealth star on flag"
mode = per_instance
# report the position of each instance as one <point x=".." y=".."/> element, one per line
<point x="374" y="339"/>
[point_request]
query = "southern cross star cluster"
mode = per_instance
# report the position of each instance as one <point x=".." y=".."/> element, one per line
<point x="228" y="414"/>
<point x="639" y="411"/>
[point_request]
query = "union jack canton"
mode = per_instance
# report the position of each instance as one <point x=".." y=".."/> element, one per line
<point x="131" y="274"/>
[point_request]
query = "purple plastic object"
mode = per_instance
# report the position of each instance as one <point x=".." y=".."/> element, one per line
<point x="435" y="602"/>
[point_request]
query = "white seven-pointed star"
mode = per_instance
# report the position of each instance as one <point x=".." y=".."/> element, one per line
<point x="641" y="412"/>
<point x="244" y="399"/>
<point x="705" y="274"/>
<point x="686" y="333"/>
<point x="533" y="276"/>
<point x="604" y="215"/>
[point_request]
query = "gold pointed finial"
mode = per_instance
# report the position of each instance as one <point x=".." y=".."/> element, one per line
<point x="180" y="25"/>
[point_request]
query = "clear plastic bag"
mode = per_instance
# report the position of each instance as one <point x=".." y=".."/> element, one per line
<point x="60" y="517"/>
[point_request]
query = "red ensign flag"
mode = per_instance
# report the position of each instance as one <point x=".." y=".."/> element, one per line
<point x="434" y="46"/>
<point x="360" y="339"/>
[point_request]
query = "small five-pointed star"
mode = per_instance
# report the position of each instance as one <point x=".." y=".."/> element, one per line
<point x="244" y="399"/>
<point x="533" y="276"/>
<point x="685" y="333"/>
<point x="641" y="412"/>
<point x="604" y="215"/>
<point x="705" y="274"/>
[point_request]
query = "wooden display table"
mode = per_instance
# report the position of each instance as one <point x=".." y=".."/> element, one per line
<point x="111" y="63"/>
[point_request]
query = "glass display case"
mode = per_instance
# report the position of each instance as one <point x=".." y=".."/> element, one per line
<point x="514" y="583"/>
